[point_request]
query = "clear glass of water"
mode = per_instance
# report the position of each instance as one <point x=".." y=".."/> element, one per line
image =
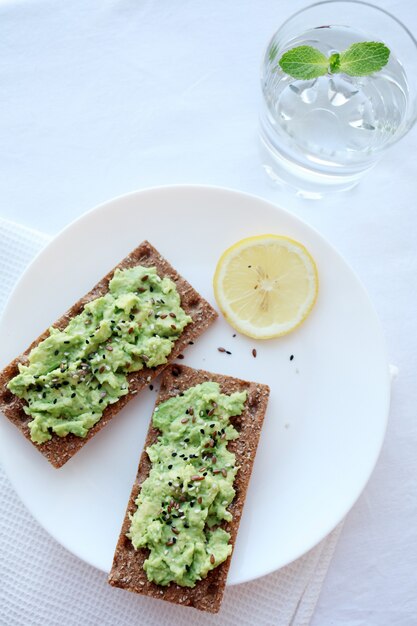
<point x="323" y="134"/>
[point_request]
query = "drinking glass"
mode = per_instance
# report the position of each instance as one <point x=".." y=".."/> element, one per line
<point x="324" y="134"/>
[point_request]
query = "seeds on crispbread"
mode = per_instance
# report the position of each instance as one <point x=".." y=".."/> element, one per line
<point x="127" y="571"/>
<point x="60" y="449"/>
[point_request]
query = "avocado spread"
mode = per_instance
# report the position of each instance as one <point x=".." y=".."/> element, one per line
<point x="76" y="372"/>
<point x="190" y="485"/>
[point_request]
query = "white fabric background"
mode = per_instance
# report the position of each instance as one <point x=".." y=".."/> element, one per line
<point x="103" y="97"/>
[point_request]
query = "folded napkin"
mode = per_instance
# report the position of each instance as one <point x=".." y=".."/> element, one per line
<point x="43" y="584"/>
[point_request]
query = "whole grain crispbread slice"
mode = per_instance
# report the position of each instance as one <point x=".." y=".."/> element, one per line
<point x="127" y="571"/>
<point x="60" y="449"/>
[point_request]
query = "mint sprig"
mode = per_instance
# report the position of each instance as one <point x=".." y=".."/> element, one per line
<point x="360" y="59"/>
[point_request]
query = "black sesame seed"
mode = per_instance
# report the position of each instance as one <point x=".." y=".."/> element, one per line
<point x="291" y="357"/>
<point x="151" y="387"/>
<point x="186" y="440"/>
<point x="55" y="401"/>
<point x="73" y="395"/>
<point x="174" y="454"/>
<point x="202" y="431"/>
<point x="169" y="466"/>
<point x="228" y="352"/>
<point x="170" y="483"/>
<point x="192" y="503"/>
<point x="56" y="352"/>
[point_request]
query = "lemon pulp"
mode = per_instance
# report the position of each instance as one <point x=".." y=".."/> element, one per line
<point x="266" y="286"/>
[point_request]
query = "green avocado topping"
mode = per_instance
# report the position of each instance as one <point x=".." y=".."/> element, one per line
<point x="75" y="373"/>
<point x="190" y="486"/>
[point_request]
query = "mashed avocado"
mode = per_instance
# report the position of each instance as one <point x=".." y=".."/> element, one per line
<point x="76" y="372"/>
<point x="189" y="487"/>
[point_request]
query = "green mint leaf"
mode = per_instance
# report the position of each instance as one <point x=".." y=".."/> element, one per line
<point x="304" y="62"/>
<point x="364" y="58"/>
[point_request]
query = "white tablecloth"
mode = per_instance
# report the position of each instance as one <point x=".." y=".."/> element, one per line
<point x="103" y="97"/>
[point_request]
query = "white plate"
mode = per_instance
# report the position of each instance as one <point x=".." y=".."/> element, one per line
<point x="328" y="407"/>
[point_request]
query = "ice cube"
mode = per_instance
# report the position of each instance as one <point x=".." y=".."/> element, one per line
<point x="309" y="93"/>
<point x="340" y="91"/>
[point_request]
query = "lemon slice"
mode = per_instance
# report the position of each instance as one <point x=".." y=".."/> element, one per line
<point x="266" y="286"/>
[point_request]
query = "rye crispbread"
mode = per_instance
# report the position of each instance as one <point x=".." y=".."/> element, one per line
<point x="127" y="571"/>
<point x="60" y="449"/>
